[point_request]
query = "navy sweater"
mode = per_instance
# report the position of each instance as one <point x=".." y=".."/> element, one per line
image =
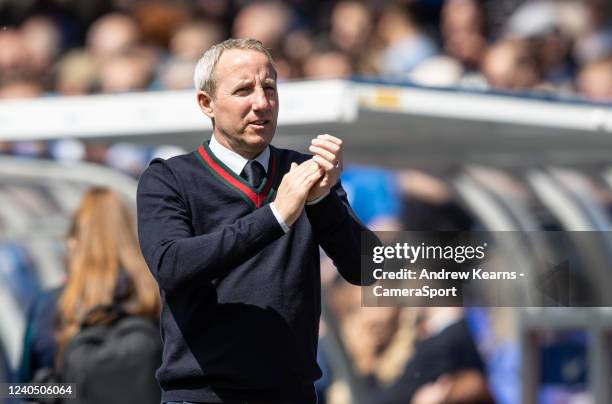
<point x="241" y="299"/>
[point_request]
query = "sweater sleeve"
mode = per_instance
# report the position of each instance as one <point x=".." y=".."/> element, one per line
<point x="174" y="254"/>
<point x="340" y="234"/>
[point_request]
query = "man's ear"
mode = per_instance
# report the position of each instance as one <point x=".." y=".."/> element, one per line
<point x="205" y="102"/>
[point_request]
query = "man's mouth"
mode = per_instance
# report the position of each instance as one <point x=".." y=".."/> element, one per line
<point x="260" y="122"/>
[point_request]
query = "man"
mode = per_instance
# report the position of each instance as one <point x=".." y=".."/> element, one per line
<point x="232" y="232"/>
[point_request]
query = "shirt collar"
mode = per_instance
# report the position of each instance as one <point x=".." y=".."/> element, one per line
<point x="234" y="160"/>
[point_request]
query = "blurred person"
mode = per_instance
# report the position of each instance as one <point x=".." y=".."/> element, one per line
<point x="175" y="74"/>
<point x="464" y="32"/>
<point x="131" y="70"/>
<point x="327" y="65"/>
<point x="96" y="153"/>
<point x="266" y="21"/>
<point x="158" y="20"/>
<point x="218" y="10"/>
<point x="510" y="65"/>
<point x="235" y="246"/>
<point x="298" y="45"/>
<point x="129" y="158"/>
<point x="351" y="26"/>
<point x="428" y="204"/>
<point x="5" y="147"/>
<point x="593" y="46"/>
<point x="20" y="86"/>
<point x="14" y="56"/>
<point x="405" y="43"/>
<point x="104" y="267"/>
<point x="594" y="42"/>
<point x="374" y="195"/>
<point x="539" y="24"/>
<point x="599" y="14"/>
<point x="286" y="69"/>
<point x="497" y="15"/>
<point x="43" y="40"/>
<point x="76" y="73"/>
<point x="465" y="386"/>
<point x="16" y="87"/>
<point x="67" y="150"/>
<point x="595" y="80"/>
<point x="193" y="37"/>
<point x="111" y="297"/>
<point x="39" y="344"/>
<point x="438" y="71"/>
<point x="373" y="338"/>
<point x="440" y="361"/>
<point x="187" y="44"/>
<point x="112" y="34"/>
<point x="30" y="149"/>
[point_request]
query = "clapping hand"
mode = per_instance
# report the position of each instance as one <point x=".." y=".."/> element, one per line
<point x="327" y="150"/>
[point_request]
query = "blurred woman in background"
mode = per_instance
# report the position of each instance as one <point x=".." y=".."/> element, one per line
<point x="103" y="322"/>
<point x="107" y="331"/>
<point x="105" y="266"/>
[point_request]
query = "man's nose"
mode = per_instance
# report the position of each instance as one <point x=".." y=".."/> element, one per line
<point x="260" y="101"/>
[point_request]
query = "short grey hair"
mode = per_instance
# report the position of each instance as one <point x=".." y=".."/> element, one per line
<point x="204" y="74"/>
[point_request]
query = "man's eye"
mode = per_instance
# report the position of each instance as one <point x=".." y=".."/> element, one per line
<point x="243" y="90"/>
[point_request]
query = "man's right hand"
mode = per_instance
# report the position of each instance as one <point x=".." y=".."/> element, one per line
<point x="294" y="188"/>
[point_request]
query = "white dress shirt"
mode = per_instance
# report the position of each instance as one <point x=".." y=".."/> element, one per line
<point x="236" y="163"/>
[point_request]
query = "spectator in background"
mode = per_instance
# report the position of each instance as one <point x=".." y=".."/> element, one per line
<point x="418" y="356"/>
<point x="67" y="151"/>
<point x="14" y="57"/>
<point x="443" y="71"/>
<point x="76" y="73"/>
<point x="193" y="37"/>
<point x="428" y="204"/>
<point x="43" y="42"/>
<point x="108" y="281"/>
<point x="131" y="70"/>
<point x="374" y="194"/>
<point x="129" y="158"/>
<point x="463" y="32"/>
<point x="218" y="10"/>
<point x="382" y="38"/>
<point x="175" y="74"/>
<point x="595" y="40"/>
<point x="187" y="44"/>
<point x="510" y="65"/>
<point x="539" y="25"/>
<point x="20" y="86"/>
<point x="267" y="21"/>
<point x="298" y="46"/>
<point x="158" y="20"/>
<point x="595" y="80"/>
<point x="351" y="27"/>
<point x="104" y="267"/>
<point x="39" y="345"/>
<point x="112" y="34"/>
<point x="327" y="65"/>
<point x="405" y="43"/>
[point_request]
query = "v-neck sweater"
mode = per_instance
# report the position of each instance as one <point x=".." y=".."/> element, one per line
<point x="241" y="299"/>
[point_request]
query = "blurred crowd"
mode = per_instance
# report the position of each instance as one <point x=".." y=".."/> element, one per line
<point x="68" y="47"/>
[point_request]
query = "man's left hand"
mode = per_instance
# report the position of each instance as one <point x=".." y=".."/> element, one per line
<point x="327" y="152"/>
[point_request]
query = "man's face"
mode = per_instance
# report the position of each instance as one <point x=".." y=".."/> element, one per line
<point x="245" y="104"/>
